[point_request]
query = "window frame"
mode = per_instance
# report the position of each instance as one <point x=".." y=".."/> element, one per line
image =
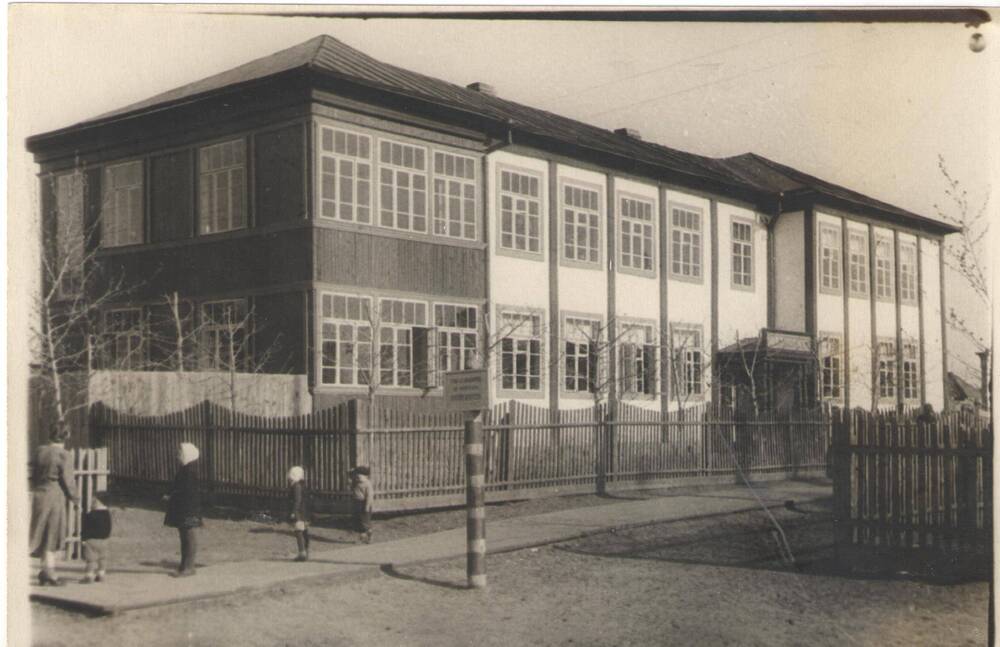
<point x="671" y="228"/>
<point x="822" y="339"/>
<point x="910" y="368"/>
<point x="475" y="182"/>
<point x="245" y="178"/>
<point x="361" y="322"/>
<point x="354" y="160"/>
<point x="889" y="245"/>
<point x="887" y="378"/>
<point x="620" y="197"/>
<point x="734" y="221"/>
<point x="836" y="275"/>
<point x="105" y="201"/>
<point x="676" y="380"/>
<point x="439" y="329"/>
<point x="865" y="290"/>
<point x="594" y="357"/>
<point x="399" y="327"/>
<point x="205" y="329"/>
<point x="142" y="332"/>
<point x="71" y="282"/>
<point x="381" y="166"/>
<point x="908" y="296"/>
<point x="540" y="316"/>
<point x="563" y="206"/>
<point x="632" y="328"/>
<point x="541" y="178"/>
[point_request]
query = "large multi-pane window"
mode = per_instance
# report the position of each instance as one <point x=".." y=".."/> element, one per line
<point x="911" y="372"/>
<point x="345" y="175"/>
<point x="520" y="351"/>
<point x="742" y="235"/>
<point x="685" y="242"/>
<point x="520" y="212"/>
<point x="346" y="357"/>
<point x="457" y="328"/>
<point x="637" y="360"/>
<point x="70" y="236"/>
<point x="858" y="242"/>
<point x="831" y="378"/>
<point x="122" y="205"/>
<point x="124" y="347"/>
<point x="829" y="258"/>
<point x="581" y="224"/>
<point x="396" y="322"/>
<point x="581" y="347"/>
<point x="224" y="331"/>
<point x="884" y="260"/>
<point x="908" y="273"/>
<point x="886" y="351"/>
<point x="637" y="234"/>
<point x="222" y="187"/>
<point x="402" y="186"/>
<point x="454" y="196"/>
<point x="687" y="361"/>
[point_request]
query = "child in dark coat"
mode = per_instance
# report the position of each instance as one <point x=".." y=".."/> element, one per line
<point x="363" y="493"/>
<point x="94" y="533"/>
<point x="184" y="508"/>
<point x="300" y="516"/>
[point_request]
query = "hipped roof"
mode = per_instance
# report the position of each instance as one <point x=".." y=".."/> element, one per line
<point x="334" y="59"/>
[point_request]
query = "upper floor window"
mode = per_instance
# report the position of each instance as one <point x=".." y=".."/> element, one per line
<point x="831" y="377"/>
<point x="885" y="280"/>
<point x="122" y="212"/>
<point x="907" y="273"/>
<point x="742" y="234"/>
<point x="346" y="338"/>
<point x="581" y="224"/>
<point x="687" y="361"/>
<point x="637" y="234"/>
<point x="886" y="351"/>
<point x="581" y="339"/>
<point x="124" y="347"/>
<point x="457" y="336"/>
<point x="222" y="187"/>
<point x="346" y="170"/>
<point x="520" y="212"/>
<point x="224" y="335"/>
<point x="637" y="360"/>
<point x="402" y="186"/>
<point x="520" y="351"/>
<point x="911" y="372"/>
<point x="858" y="242"/>
<point x="829" y="255"/>
<point x="454" y="196"/>
<point x="685" y="242"/>
<point x="70" y="239"/>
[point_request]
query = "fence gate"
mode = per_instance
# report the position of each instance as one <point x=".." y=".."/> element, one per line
<point x="90" y="470"/>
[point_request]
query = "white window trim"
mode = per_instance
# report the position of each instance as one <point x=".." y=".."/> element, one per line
<point x="475" y="181"/>
<point x="822" y="338"/>
<point x="441" y="328"/>
<point x="206" y="328"/>
<point x="892" y="371"/>
<point x="866" y="267"/>
<point x="142" y="358"/>
<point x="671" y="227"/>
<point x="891" y="258"/>
<point x="574" y="335"/>
<point x="428" y="187"/>
<point x="105" y="201"/>
<point x="320" y="339"/>
<point x="629" y="330"/>
<point x="654" y="221"/>
<point x="499" y="248"/>
<point x="752" y="243"/>
<point x="497" y="353"/>
<point x="837" y="277"/>
<point x="204" y="175"/>
<point x="337" y="157"/>
<point x="565" y="183"/>
<point x="681" y="327"/>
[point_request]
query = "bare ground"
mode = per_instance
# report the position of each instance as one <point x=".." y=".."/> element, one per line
<point x="717" y="581"/>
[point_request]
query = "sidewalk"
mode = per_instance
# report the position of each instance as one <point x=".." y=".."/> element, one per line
<point x="136" y="587"/>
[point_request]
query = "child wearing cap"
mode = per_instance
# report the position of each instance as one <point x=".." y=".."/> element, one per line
<point x="298" y="496"/>
<point x="363" y="500"/>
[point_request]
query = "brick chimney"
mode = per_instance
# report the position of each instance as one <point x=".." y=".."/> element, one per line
<point x="631" y="133"/>
<point x="482" y="88"/>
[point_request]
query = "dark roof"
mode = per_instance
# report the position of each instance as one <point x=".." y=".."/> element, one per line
<point x="328" y="56"/>
<point x="772" y="177"/>
<point x="962" y="390"/>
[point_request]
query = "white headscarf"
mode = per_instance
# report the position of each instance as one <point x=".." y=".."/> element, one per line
<point x="188" y="453"/>
<point x="296" y="474"/>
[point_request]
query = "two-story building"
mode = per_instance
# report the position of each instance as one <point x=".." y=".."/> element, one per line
<point x="361" y="223"/>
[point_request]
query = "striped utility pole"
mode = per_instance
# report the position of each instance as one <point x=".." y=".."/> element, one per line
<point x="475" y="501"/>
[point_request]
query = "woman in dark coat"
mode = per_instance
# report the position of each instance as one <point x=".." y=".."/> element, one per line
<point x="52" y="483"/>
<point x="184" y="507"/>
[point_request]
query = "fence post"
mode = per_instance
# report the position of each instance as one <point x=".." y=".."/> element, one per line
<point x="840" y="427"/>
<point x="208" y="422"/>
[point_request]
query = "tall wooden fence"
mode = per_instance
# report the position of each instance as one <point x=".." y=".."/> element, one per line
<point x="417" y="458"/>
<point x="913" y="493"/>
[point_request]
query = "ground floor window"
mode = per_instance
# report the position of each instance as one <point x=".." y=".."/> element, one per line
<point x="831" y="367"/>
<point x="687" y="360"/>
<point x="346" y="341"/>
<point x="637" y="360"/>
<point x="520" y="351"/>
<point x="581" y="350"/>
<point x="224" y="335"/>
<point x="911" y="372"/>
<point x="124" y="339"/>
<point x="886" y="370"/>
<point x="456" y="328"/>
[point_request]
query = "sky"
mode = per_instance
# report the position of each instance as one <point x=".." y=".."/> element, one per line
<point x="868" y="106"/>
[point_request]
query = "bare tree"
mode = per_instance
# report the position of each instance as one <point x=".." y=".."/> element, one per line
<point x="687" y="363"/>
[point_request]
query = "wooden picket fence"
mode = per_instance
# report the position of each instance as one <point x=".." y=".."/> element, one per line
<point x="417" y="460"/>
<point x="913" y="493"/>
<point x="90" y="470"/>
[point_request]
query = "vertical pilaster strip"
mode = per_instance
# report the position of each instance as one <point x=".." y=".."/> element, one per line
<point x="872" y="291"/>
<point x="713" y="209"/>
<point x="845" y="256"/>
<point x="944" y="330"/>
<point x="809" y="240"/>
<point x="612" y="326"/>
<point x="771" y="224"/>
<point x="475" y="502"/>
<point x="664" y="330"/>
<point x="487" y="312"/>
<point x="899" y="320"/>
<point x="553" y="372"/>
<point x="920" y="324"/>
